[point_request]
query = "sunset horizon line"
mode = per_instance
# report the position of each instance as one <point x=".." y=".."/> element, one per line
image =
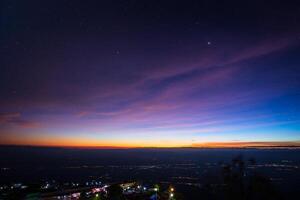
<point x="204" y="145"/>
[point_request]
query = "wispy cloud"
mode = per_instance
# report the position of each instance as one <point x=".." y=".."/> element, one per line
<point x="16" y="119"/>
<point x="8" y="117"/>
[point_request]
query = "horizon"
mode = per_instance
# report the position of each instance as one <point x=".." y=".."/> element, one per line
<point x="214" y="145"/>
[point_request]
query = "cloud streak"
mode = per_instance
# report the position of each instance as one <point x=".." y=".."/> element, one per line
<point x="15" y="119"/>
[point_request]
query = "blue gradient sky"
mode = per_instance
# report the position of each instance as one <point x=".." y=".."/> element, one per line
<point x="149" y="73"/>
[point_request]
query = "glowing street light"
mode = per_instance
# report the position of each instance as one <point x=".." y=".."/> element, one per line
<point x="155" y="189"/>
<point x="171" y="195"/>
<point x="171" y="192"/>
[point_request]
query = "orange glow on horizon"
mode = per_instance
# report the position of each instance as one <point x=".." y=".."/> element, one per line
<point x="113" y="144"/>
<point x="85" y="143"/>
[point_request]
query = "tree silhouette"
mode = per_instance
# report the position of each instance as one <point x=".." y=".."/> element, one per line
<point x="115" y="192"/>
<point x="238" y="185"/>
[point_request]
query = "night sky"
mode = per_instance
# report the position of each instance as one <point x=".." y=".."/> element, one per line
<point x="134" y="73"/>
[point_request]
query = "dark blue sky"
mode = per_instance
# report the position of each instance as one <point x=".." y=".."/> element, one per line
<point x="149" y="73"/>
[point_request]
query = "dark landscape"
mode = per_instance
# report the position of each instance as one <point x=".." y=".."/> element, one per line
<point x="195" y="173"/>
